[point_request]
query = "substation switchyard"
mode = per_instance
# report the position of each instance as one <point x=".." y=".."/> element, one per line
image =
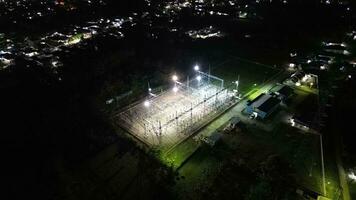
<point x="169" y="117"/>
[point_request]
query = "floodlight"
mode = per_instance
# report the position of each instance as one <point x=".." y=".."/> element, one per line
<point x="146" y="103"/>
<point x="175" y="78"/>
<point x="352" y="176"/>
<point x="175" y="89"/>
<point x="305" y="78"/>
<point x="291" y="65"/>
<point x="199" y="78"/>
<point x="196" y="67"/>
<point x="149" y="89"/>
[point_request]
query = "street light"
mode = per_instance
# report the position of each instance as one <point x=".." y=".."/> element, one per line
<point x="199" y="78"/>
<point x="196" y="67"/>
<point x="175" y="78"/>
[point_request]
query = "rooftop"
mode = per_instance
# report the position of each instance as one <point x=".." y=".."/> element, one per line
<point x="282" y="90"/>
<point x="264" y="102"/>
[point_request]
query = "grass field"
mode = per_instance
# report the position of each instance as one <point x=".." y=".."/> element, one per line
<point x="176" y="157"/>
<point x="250" y="74"/>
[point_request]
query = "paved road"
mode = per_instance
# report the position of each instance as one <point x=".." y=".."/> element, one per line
<point x="342" y="175"/>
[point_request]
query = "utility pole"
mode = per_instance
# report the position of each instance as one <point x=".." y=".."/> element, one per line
<point x="322" y="163"/>
<point x="321" y="137"/>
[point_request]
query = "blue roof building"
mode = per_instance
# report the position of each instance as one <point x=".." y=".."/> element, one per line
<point x="263" y="105"/>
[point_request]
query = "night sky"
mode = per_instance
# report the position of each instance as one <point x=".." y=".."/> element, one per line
<point x="69" y="67"/>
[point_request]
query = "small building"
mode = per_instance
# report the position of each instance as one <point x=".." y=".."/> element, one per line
<point x="212" y="139"/>
<point x="298" y="75"/>
<point x="263" y="105"/>
<point x="233" y="123"/>
<point x="283" y="92"/>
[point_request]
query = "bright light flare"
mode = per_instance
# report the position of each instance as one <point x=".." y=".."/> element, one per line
<point x="175" y="89"/>
<point x="291" y="65"/>
<point x="305" y="78"/>
<point x="199" y="78"/>
<point x="146" y="104"/>
<point x="175" y="78"/>
<point x="352" y="176"/>
<point x="196" y="67"/>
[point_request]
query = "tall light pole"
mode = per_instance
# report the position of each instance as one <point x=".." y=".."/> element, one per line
<point x="196" y="68"/>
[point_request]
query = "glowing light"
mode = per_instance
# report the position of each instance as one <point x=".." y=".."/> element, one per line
<point x="292" y="122"/>
<point x="146" y="103"/>
<point x="352" y="176"/>
<point x="175" y="78"/>
<point x="297" y="84"/>
<point x="199" y="78"/>
<point x="293" y="54"/>
<point x="196" y="67"/>
<point x="175" y="89"/>
<point x="305" y="78"/>
<point x="291" y="65"/>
